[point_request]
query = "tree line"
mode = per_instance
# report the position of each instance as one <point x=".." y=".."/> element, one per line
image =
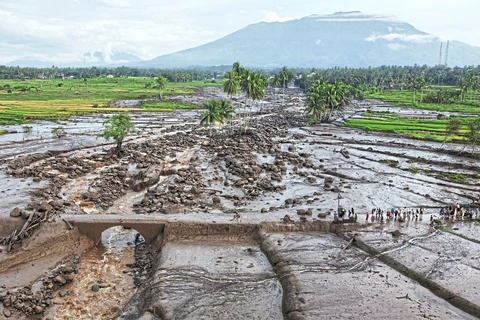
<point x="377" y="77"/>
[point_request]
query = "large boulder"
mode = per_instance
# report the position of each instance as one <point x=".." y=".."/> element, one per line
<point x="45" y="207"/>
<point x="145" y="179"/>
<point x="16" y="213"/>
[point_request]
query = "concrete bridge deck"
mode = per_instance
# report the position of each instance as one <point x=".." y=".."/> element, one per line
<point x="150" y="227"/>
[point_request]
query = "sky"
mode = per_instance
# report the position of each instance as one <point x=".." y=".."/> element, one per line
<point x="61" y="31"/>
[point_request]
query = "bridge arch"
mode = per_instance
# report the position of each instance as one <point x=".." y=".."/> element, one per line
<point x="94" y="229"/>
<point x="120" y="237"/>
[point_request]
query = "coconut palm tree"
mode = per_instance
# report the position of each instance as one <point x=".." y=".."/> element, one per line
<point x="473" y="133"/>
<point x="253" y="85"/>
<point x="315" y="104"/>
<point x="231" y="83"/>
<point x="226" y="112"/>
<point x="284" y="75"/>
<point x="416" y="83"/>
<point x="160" y="83"/>
<point x="474" y="84"/>
<point x="463" y="84"/>
<point x="275" y="83"/>
<point x="211" y="116"/>
<point x="453" y="128"/>
<point x="325" y="98"/>
<point x="237" y="68"/>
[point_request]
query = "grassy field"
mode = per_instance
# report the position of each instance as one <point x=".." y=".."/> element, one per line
<point x="22" y="101"/>
<point x="166" y="105"/>
<point x="405" y="98"/>
<point x="433" y="130"/>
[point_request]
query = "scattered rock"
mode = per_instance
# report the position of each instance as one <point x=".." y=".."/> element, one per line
<point x="302" y="212"/>
<point x="60" y="280"/>
<point x="45" y="207"/>
<point x="95" y="288"/>
<point x="396" y="233"/>
<point x="16" y="213"/>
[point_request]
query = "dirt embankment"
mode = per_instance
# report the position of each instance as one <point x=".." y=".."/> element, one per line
<point x="45" y="262"/>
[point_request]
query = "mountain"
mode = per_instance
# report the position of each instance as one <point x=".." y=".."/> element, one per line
<point x="89" y="59"/>
<point x="352" y="39"/>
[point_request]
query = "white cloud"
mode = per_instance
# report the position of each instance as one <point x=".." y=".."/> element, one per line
<point x="63" y="30"/>
<point x="271" y="17"/>
<point x="413" y="38"/>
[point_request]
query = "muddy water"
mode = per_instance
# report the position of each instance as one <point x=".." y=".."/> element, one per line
<point x="81" y="132"/>
<point x="13" y="192"/>
<point x="103" y="266"/>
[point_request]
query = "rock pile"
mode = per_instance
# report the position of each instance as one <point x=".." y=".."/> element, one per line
<point x="181" y="188"/>
<point x="110" y="186"/>
<point x="34" y="300"/>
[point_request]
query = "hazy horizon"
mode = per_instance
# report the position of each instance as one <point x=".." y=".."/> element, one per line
<point x="63" y="32"/>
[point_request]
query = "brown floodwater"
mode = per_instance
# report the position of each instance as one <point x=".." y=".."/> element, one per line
<point x="102" y="266"/>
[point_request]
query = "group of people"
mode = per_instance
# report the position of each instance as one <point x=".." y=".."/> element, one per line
<point x="459" y="212"/>
<point x="415" y="214"/>
<point x="401" y="215"/>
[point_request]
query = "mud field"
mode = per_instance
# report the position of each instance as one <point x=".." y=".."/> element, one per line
<point x="245" y="220"/>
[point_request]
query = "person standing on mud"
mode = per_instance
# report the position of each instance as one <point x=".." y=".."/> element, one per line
<point x="366" y="219"/>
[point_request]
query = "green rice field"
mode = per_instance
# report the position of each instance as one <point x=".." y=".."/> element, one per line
<point x="23" y="101"/>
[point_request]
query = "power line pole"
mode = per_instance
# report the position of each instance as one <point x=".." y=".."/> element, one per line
<point x="446" y="53"/>
<point x="439" y="63"/>
<point x="440" y="58"/>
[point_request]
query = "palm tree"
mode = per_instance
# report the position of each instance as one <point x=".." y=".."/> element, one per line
<point x="160" y="83"/>
<point x="453" y="127"/>
<point x="275" y="82"/>
<point x="226" y="112"/>
<point x="331" y="98"/>
<point x="258" y="86"/>
<point x="473" y="83"/>
<point x="463" y="84"/>
<point x="253" y="85"/>
<point x="416" y="83"/>
<point x="231" y="83"/>
<point x="237" y="68"/>
<point x="315" y="104"/>
<point x="473" y="133"/>
<point x="284" y="75"/>
<point x="324" y="99"/>
<point x="211" y="115"/>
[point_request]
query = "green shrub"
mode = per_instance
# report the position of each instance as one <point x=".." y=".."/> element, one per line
<point x="413" y="167"/>
<point x="27" y="129"/>
<point x="58" y="132"/>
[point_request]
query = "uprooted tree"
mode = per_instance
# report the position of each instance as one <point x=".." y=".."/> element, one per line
<point x="117" y="127"/>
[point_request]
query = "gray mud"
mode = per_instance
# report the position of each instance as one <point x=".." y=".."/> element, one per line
<point x="280" y="174"/>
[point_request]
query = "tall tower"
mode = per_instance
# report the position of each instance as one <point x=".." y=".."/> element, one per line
<point x="446" y="53"/>
<point x="440" y="57"/>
